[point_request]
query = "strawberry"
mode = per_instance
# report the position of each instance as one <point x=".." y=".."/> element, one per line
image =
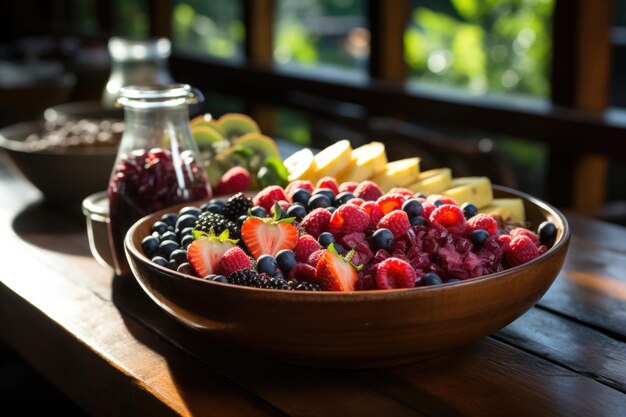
<point x="368" y="191"/>
<point x="521" y="231"/>
<point x="335" y="273"/>
<point x="302" y="272"/>
<point x="292" y="186"/>
<point x="349" y="186"/>
<point x="348" y="218"/>
<point x="234" y="259"/>
<point x="205" y="252"/>
<point x="267" y="196"/>
<point x="394" y="273"/>
<point x="521" y="249"/>
<point x="316" y="222"/>
<point x="268" y="236"/>
<point x="401" y="190"/>
<point x="305" y="247"/>
<point x="328" y="182"/>
<point x="390" y="202"/>
<point x="483" y="221"/>
<point x="448" y="216"/>
<point x="233" y="181"/>
<point x="397" y="222"/>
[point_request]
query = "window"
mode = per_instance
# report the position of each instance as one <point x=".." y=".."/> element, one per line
<point x="211" y="27"/>
<point x="481" y="46"/>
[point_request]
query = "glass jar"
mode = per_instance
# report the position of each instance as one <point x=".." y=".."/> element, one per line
<point x="136" y="63"/>
<point x="157" y="164"/>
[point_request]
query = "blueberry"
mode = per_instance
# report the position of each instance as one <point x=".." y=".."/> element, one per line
<point x="382" y="239"/>
<point x="186" y="220"/>
<point x="186" y="241"/>
<point x="159" y="227"/>
<point x="172" y="264"/>
<point x="547" y="233"/>
<point x="343" y="198"/>
<point x="167" y="247"/>
<point x="220" y="278"/>
<point x="325" y="239"/>
<point x="327" y="192"/>
<point x="240" y="220"/>
<point x="159" y="260"/>
<point x="204" y="207"/>
<point x="286" y="260"/>
<point x="296" y="211"/>
<point x="168" y="236"/>
<point x="218" y="202"/>
<point x="469" y="210"/>
<point x="340" y="249"/>
<point x="149" y="245"/>
<point x="194" y="211"/>
<point x="412" y="207"/>
<point x="258" y="211"/>
<point x="418" y="221"/>
<point x="187" y="231"/>
<point x="209" y="277"/>
<point x="169" y="219"/>
<point x="317" y="201"/>
<point x="420" y="195"/>
<point x="185" y="268"/>
<point x="438" y="203"/>
<point x="156" y="234"/>
<point x="266" y="264"/>
<point x="179" y="255"/>
<point x="431" y="279"/>
<point x="331" y="209"/>
<point x="479" y="236"/>
<point x="216" y="208"/>
<point x="300" y="195"/>
<point x="451" y="280"/>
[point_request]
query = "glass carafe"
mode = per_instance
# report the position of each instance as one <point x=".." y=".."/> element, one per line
<point x="158" y="163"/>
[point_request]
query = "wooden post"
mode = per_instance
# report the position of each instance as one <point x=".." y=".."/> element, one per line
<point x="160" y="18"/>
<point x="259" y="22"/>
<point x="388" y="21"/>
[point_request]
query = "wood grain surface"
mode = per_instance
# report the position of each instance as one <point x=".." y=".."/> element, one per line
<point x="104" y="343"/>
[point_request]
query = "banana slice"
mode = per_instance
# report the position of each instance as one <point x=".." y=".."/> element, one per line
<point x="301" y="165"/>
<point x="333" y="160"/>
<point x="476" y="190"/>
<point x="433" y="181"/>
<point x="398" y="173"/>
<point x="508" y="208"/>
<point x="369" y="160"/>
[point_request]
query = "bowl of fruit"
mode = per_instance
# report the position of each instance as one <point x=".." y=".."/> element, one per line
<point x="352" y="273"/>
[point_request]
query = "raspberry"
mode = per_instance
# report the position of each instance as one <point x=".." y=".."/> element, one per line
<point x="445" y="200"/>
<point x="448" y="216"/>
<point x="328" y="182"/>
<point x="427" y="209"/>
<point x="374" y="211"/>
<point x="505" y="240"/>
<point x="357" y="201"/>
<point x="401" y="190"/>
<point x="315" y="257"/>
<point x="302" y="272"/>
<point x="394" y="273"/>
<point x="304" y="184"/>
<point x="397" y="222"/>
<point x="266" y="197"/>
<point x="521" y="250"/>
<point x="362" y="254"/>
<point x="348" y="186"/>
<point x="390" y="202"/>
<point x="483" y="221"/>
<point x="234" y="259"/>
<point x="368" y="191"/>
<point x="233" y="181"/>
<point x="518" y="231"/>
<point x="305" y="247"/>
<point x="348" y="219"/>
<point x="316" y="222"/>
<point x="284" y="205"/>
<point x="352" y="240"/>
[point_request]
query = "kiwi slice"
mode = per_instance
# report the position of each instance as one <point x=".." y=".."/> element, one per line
<point x="236" y="125"/>
<point x="260" y="147"/>
<point x="206" y="119"/>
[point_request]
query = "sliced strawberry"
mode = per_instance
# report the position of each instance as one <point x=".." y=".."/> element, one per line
<point x="268" y="237"/>
<point x="205" y="252"/>
<point x="334" y="273"/>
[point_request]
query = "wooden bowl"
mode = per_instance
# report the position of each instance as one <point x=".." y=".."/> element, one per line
<point x="358" y="329"/>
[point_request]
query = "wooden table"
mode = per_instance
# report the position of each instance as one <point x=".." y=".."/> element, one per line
<point x="109" y="348"/>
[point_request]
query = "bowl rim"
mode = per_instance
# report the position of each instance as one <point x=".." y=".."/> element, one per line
<point x="15" y="145"/>
<point x="562" y="240"/>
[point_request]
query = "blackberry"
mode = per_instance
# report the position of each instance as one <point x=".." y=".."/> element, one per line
<point x="305" y="286"/>
<point x="236" y="206"/>
<point x="248" y="278"/>
<point x="219" y="223"/>
<point x="279" y="284"/>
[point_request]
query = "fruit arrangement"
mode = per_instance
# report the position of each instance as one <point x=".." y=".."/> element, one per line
<point x="237" y="155"/>
<point x="345" y="236"/>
